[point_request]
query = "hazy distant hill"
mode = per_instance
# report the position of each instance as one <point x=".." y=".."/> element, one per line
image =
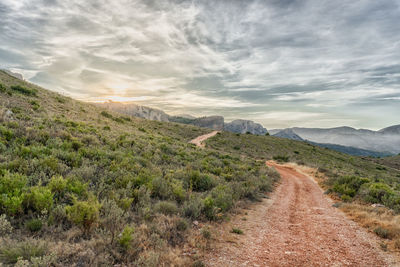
<point x="385" y="140"/>
<point x="289" y="134"/>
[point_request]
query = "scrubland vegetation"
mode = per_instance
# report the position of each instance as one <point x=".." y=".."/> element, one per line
<point x="83" y="186"/>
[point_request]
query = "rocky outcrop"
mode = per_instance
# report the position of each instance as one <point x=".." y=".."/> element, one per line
<point x="14" y="74"/>
<point x="136" y="110"/>
<point x="245" y="126"/>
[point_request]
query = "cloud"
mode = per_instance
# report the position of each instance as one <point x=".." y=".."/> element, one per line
<point x="234" y="58"/>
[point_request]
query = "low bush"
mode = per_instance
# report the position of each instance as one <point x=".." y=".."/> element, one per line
<point x="40" y="198"/>
<point x="23" y="90"/>
<point x="237" y="231"/>
<point x="5" y="225"/>
<point x="281" y="158"/>
<point x="126" y="237"/>
<point x="34" y="225"/>
<point x="11" y="252"/>
<point x="12" y="191"/>
<point x="85" y="214"/>
<point x="166" y="207"/>
<point x="381" y="232"/>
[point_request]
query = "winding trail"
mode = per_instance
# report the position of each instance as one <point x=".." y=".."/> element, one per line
<point x="297" y="226"/>
<point x="198" y="141"/>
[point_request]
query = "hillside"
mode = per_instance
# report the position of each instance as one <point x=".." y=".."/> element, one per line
<point x="82" y="186"/>
<point x="351" y="178"/>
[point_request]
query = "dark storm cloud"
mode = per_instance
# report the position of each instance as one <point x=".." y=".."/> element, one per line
<point x="283" y="63"/>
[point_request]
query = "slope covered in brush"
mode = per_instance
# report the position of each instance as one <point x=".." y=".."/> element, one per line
<point x="80" y="184"/>
<point x="351" y="177"/>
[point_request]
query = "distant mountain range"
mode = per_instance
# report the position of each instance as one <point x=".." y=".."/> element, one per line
<point x="348" y="140"/>
<point x="212" y="122"/>
<point x="359" y="142"/>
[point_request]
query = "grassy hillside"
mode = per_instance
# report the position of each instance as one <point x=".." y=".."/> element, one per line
<point x="391" y="162"/>
<point x="351" y="178"/>
<point x="83" y="186"/>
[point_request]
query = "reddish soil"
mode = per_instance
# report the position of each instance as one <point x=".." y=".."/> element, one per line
<point x="297" y="226"/>
<point x="198" y="141"/>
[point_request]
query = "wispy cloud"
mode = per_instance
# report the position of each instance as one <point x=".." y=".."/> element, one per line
<point x="234" y="58"/>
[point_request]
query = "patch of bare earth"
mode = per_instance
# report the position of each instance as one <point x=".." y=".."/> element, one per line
<point x="297" y="226"/>
<point x="198" y="141"/>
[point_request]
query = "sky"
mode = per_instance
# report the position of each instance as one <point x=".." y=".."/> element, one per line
<point x="282" y="63"/>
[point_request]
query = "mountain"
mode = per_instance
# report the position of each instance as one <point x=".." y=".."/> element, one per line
<point x="136" y="110"/>
<point x="212" y="122"/>
<point x="386" y="140"/>
<point x="288" y="134"/>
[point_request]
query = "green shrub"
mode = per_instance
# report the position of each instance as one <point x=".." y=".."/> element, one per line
<point x="193" y="207"/>
<point x="376" y="192"/>
<point x="200" y="182"/>
<point x="205" y="232"/>
<point x="2" y="88"/>
<point x="237" y="231"/>
<point x="125" y="240"/>
<point x="57" y="186"/>
<point x="10" y="252"/>
<point x="35" y="105"/>
<point x="34" y="225"/>
<point x="12" y="193"/>
<point x="281" y="158"/>
<point x="166" y="207"/>
<point x="106" y="114"/>
<point x="23" y="90"/>
<point x="382" y="232"/>
<point x="40" y="198"/>
<point x="85" y="214"/>
<point x="349" y="185"/>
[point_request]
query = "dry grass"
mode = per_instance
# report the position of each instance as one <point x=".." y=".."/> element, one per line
<point x="378" y="220"/>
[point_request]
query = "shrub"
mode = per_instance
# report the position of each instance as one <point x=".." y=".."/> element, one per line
<point x="23" y="90"/>
<point x="237" y="231"/>
<point x="85" y="214"/>
<point x="192" y="208"/>
<point x="166" y="207"/>
<point x="2" y="88"/>
<point x="57" y="186"/>
<point x="40" y="198"/>
<point x="349" y="185"/>
<point x="376" y="192"/>
<point x="205" y="232"/>
<point x="281" y="158"/>
<point x="126" y="237"/>
<point x="112" y="217"/>
<point x="12" y="192"/>
<point x="10" y="252"/>
<point x="200" y="182"/>
<point x="34" y="225"/>
<point x="35" y="105"/>
<point x="382" y="232"/>
<point x="106" y="114"/>
<point x="5" y="225"/>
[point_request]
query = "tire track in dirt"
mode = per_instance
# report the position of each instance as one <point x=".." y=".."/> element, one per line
<point x="297" y="227"/>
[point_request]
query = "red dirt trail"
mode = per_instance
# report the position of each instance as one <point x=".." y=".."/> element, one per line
<point x="297" y="226"/>
<point x="198" y="141"/>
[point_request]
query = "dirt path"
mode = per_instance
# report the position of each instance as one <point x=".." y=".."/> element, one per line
<point x="198" y="141"/>
<point x="296" y="227"/>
